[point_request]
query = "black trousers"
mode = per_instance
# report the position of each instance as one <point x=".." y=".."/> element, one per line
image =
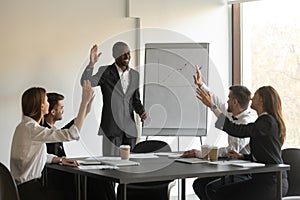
<point x="111" y="144"/>
<point x="100" y="189"/>
<point x="32" y="190"/>
<point x="259" y="187"/>
<point x="61" y="186"/>
<point x="200" y="184"/>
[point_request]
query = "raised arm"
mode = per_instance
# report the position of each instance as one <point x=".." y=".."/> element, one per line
<point x="199" y="82"/>
<point x="86" y="100"/>
<point x="198" y="77"/>
<point x="94" y="56"/>
<point x="207" y="100"/>
<point x="88" y="72"/>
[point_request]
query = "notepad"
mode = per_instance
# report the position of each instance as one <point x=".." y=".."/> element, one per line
<point x="102" y="167"/>
<point x="143" y="155"/>
<point x="191" y="160"/>
<point x="249" y="164"/>
<point x="120" y="163"/>
<point x="89" y="162"/>
<point x="169" y="154"/>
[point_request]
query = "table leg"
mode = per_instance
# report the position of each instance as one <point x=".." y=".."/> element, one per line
<point x="183" y="189"/>
<point x="279" y="185"/>
<point x="84" y="188"/>
<point x="77" y="183"/>
<point x="123" y="191"/>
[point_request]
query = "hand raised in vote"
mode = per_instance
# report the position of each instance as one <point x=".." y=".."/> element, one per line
<point x="94" y="56"/>
<point x="205" y="97"/>
<point x="198" y="77"/>
<point x="87" y="92"/>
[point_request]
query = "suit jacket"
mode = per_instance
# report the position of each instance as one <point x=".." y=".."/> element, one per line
<point x="265" y="147"/>
<point x="264" y="136"/>
<point x="56" y="148"/>
<point x="118" y="107"/>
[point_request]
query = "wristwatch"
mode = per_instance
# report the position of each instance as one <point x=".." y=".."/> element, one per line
<point x="61" y="159"/>
<point x="213" y="107"/>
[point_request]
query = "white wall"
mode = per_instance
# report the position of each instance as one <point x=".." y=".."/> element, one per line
<point x="46" y="43"/>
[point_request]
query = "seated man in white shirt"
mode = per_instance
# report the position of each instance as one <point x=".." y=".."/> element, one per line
<point x="238" y="111"/>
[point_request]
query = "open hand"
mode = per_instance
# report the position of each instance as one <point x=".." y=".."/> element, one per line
<point x="198" y="77"/>
<point x="87" y="92"/>
<point x="205" y="97"/>
<point x="94" y="56"/>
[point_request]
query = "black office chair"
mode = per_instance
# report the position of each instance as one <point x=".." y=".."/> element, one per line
<point x="150" y="146"/>
<point x="8" y="187"/>
<point x="150" y="190"/>
<point x="291" y="156"/>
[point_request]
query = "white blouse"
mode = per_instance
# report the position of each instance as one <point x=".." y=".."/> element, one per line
<point x="28" y="150"/>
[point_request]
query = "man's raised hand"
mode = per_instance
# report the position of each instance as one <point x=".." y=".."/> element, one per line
<point x="94" y="56"/>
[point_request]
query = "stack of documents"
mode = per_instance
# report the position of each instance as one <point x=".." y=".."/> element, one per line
<point x="249" y="164"/>
<point x="142" y="155"/>
<point x="120" y="163"/>
<point x="169" y="154"/>
<point x="97" y="167"/>
<point x="238" y="163"/>
<point x="89" y="162"/>
<point x="191" y="160"/>
<point x="105" y="162"/>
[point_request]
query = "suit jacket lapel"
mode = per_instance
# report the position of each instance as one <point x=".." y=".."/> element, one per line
<point x="131" y="81"/>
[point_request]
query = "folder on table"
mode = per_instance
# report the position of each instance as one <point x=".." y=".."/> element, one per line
<point x="120" y="163"/>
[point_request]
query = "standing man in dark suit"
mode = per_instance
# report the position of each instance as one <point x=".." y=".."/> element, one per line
<point x="120" y="90"/>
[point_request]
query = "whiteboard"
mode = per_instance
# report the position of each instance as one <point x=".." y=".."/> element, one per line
<point x="169" y="89"/>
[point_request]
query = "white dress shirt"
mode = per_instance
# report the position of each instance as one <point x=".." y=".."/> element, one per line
<point x="238" y="144"/>
<point x="28" y="150"/>
<point x="124" y="77"/>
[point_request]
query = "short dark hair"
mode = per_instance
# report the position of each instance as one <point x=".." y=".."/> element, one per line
<point x="53" y="99"/>
<point x="118" y="48"/>
<point x="241" y="94"/>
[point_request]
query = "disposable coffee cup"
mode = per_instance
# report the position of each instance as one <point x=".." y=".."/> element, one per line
<point x="124" y="152"/>
<point x="205" y="151"/>
<point x="213" y="153"/>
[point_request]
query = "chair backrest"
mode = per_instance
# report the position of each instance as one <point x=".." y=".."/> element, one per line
<point x="149" y="146"/>
<point x="8" y="187"/>
<point x="291" y="156"/>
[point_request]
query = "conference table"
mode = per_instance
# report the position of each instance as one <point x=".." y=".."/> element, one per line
<point x="164" y="168"/>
